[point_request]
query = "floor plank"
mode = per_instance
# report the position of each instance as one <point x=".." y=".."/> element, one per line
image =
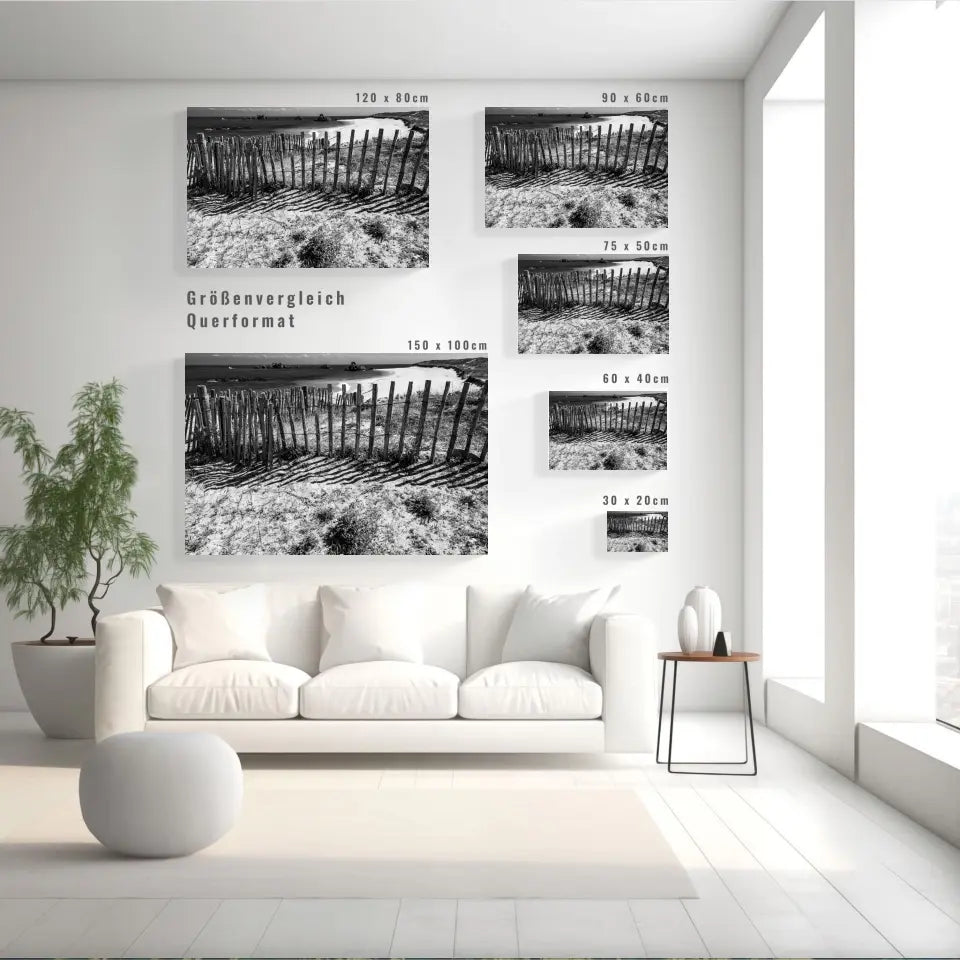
<point x="173" y="929"/>
<point x="234" y="929"/>
<point x="842" y="927"/>
<point x="720" y="921"/>
<point x="486" y="928"/>
<point x="425" y="928"/>
<point x="914" y="925"/>
<point x="17" y="915"/>
<point x="330" y="928"/>
<point x="666" y="929"/>
<point x="577" y="928"/>
<point x="63" y="925"/>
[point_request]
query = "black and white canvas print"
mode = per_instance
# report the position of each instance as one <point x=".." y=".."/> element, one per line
<point x="593" y="304"/>
<point x="600" y="430"/>
<point x="320" y="187"/>
<point x="291" y="454"/>
<point x="641" y="531"/>
<point x="560" y="168"/>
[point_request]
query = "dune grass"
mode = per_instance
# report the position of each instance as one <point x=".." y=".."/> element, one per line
<point x="603" y="453"/>
<point x="347" y="519"/>
<point x="278" y="238"/>
<point x="588" y="329"/>
<point x="514" y="201"/>
<point x="636" y="543"/>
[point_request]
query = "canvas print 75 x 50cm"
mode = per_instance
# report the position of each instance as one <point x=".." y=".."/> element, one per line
<point x="314" y="188"/>
<point x="367" y="454"/>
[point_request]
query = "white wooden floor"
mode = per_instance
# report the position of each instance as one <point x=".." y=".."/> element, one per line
<point x="798" y="862"/>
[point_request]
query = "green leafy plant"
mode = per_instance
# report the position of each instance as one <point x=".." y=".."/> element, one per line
<point x="78" y="536"/>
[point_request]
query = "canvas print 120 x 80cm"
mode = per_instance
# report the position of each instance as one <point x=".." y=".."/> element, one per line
<point x="307" y="188"/>
<point x="368" y="454"/>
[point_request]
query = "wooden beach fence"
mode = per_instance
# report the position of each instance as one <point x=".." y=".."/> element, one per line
<point x="535" y="150"/>
<point x="627" y="523"/>
<point x="250" y="166"/>
<point x="626" y="290"/>
<point x="260" y="428"/>
<point x="642" y="417"/>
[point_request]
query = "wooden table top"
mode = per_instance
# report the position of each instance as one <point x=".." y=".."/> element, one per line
<point x="736" y="657"/>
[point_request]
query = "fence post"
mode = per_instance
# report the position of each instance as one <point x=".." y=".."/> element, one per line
<point x="403" y="160"/>
<point x="403" y="421"/>
<point x="363" y="157"/>
<point x="475" y="419"/>
<point x="386" y="175"/>
<point x="336" y="162"/>
<point x="456" y="419"/>
<point x="359" y="412"/>
<point x="346" y="182"/>
<point x="389" y="422"/>
<point x="373" y="420"/>
<point x="376" y="160"/>
<point x="420" y="424"/>
<point x="416" y="164"/>
<point x="330" y="418"/>
<point x="436" y="429"/>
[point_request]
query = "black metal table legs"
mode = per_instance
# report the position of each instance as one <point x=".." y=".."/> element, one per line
<point x="749" y="742"/>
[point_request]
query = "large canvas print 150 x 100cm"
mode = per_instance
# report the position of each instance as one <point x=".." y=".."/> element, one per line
<point x="311" y="188"/>
<point x="593" y="304"/>
<point x="562" y="168"/>
<point x="368" y="454"/>
<point x="640" y="531"/>
<point x="602" y="430"/>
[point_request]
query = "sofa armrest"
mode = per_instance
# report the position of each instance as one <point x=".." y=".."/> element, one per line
<point x="133" y="650"/>
<point x="623" y="660"/>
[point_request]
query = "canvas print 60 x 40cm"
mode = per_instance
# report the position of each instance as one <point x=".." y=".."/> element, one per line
<point x="314" y="188"/>
<point x="365" y="454"/>
<point x="561" y="168"/>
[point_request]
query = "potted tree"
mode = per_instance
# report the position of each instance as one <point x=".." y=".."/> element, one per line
<point x="77" y="538"/>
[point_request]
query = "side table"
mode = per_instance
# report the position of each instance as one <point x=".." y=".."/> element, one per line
<point x="749" y="745"/>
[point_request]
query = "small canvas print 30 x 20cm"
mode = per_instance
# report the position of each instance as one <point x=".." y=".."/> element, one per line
<point x="317" y="187"/>
<point x="363" y="454"/>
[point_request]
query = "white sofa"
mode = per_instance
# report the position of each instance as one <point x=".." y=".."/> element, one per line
<point x="458" y="700"/>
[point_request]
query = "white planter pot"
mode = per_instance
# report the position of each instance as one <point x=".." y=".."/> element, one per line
<point x="688" y="629"/>
<point x="707" y="605"/>
<point x="57" y="683"/>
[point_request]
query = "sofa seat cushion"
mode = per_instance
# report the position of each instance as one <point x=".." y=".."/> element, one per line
<point x="228" y="690"/>
<point x="530" y="690"/>
<point x="381" y="690"/>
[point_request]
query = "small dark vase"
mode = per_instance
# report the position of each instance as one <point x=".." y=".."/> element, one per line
<point x="720" y="648"/>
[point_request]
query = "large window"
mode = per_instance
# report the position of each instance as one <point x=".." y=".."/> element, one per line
<point x="793" y="367"/>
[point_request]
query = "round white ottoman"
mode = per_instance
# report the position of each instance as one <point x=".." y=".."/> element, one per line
<point x="160" y="794"/>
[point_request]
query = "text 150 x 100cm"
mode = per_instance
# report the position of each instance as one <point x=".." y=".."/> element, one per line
<point x="300" y="298"/>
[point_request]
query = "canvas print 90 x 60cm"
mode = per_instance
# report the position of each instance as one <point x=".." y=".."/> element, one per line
<point x="367" y="454"/>
<point x="316" y="188"/>
<point x="562" y="168"/>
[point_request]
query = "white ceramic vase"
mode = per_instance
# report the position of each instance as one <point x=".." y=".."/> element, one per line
<point x="706" y="603"/>
<point x="688" y="629"/>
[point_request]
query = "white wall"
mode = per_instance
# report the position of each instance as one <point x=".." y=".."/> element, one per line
<point x="93" y="286"/>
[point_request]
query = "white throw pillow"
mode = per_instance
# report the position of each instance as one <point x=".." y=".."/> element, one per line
<point x="554" y="628"/>
<point x="361" y="624"/>
<point x="212" y="625"/>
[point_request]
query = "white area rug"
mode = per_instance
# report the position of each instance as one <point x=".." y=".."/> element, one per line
<point x="307" y="842"/>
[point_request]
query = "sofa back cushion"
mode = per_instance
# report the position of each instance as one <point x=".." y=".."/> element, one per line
<point x="295" y="623"/>
<point x="490" y="610"/>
